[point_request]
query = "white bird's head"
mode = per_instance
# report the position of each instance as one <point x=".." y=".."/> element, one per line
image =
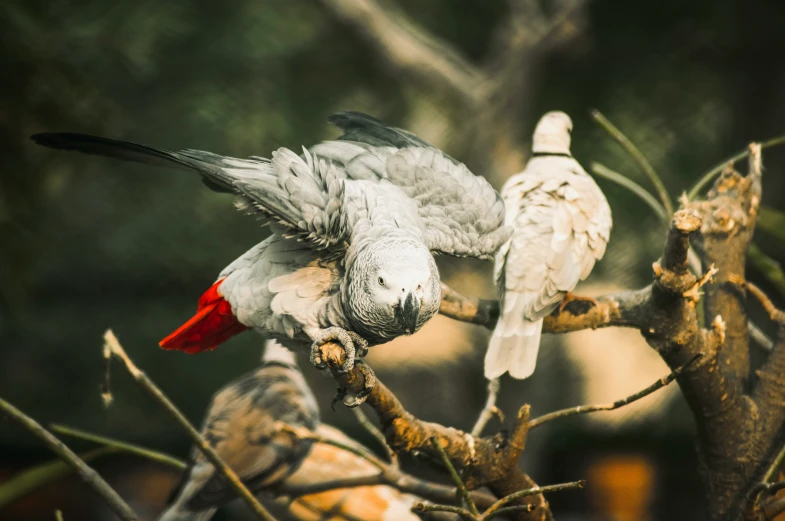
<point x="392" y="289"/>
<point x="552" y="134"/>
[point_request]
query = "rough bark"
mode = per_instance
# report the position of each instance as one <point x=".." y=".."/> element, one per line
<point x="739" y="421"/>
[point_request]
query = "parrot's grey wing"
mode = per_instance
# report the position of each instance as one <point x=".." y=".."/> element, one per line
<point x="242" y="425"/>
<point x="462" y="213"/>
<point x="361" y="128"/>
<point x="562" y="224"/>
<point x="285" y="188"/>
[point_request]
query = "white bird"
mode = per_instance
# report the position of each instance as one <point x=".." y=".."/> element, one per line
<point x="561" y="224"/>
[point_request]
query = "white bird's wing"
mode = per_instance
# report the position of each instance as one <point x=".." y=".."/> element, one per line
<point x="561" y="224"/>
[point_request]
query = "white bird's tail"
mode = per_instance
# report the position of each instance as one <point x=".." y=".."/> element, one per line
<point x="515" y="341"/>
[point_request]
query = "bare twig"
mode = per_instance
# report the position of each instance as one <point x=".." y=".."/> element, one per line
<point x="407" y="48"/>
<point x="86" y="472"/>
<point x="489" y="409"/>
<point x="388" y="475"/>
<point x="639" y="158"/>
<point x="611" y="175"/>
<point x="430" y="507"/>
<point x="455" y="476"/>
<point x="106" y="388"/>
<point x="532" y="491"/>
<point x="769" y="267"/>
<point x="122" y="446"/>
<point x="305" y="434"/>
<point x="366" y="424"/>
<point x="200" y="443"/>
<point x="509" y="510"/>
<point x="717" y="169"/>
<point x="775" y="314"/>
<point x="582" y="409"/>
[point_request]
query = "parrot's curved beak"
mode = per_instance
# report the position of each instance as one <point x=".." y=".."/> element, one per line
<point x="408" y="312"/>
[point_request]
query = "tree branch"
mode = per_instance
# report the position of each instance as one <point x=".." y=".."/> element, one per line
<point x="113" y="345"/>
<point x="121" y="446"/>
<point x="366" y="424"/>
<point x="408" y="49"/>
<point x="583" y="409"/>
<point x="486" y="461"/>
<point x="90" y="476"/>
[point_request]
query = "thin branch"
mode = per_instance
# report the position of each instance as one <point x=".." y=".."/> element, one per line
<point x="639" y="158"/>
<point x="409" y="49"/>
<point x="583" y="409"/>
<point x="770" y="268"/>
<point x="532" y="491"/>
<point x="489" y="409"/>
<point x="716" y="170"/>
<point x="366" y="424"/>
<point x="130" y="448"/>
<point x="58" y="515"/>
<point x="112" y="498"/>
<point x="305" y="434"/>
<point x="775" y="314"/>
<point x="430" y="507"/>
<point x="509" y="510"/>
<point x="625" y="182"/>
<point x="212" y="456"/>
<point x="455" y="476"/>
<point x="623" y="309"/>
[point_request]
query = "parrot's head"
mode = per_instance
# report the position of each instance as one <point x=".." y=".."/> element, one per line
<point x="552" y="134"/>
<point x="392" y="288"/>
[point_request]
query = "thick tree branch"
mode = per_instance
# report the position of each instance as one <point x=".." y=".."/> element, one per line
<point x="731" y="211"/>
<point x="486" y="461"/>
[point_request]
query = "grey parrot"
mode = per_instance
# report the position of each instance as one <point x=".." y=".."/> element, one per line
<point x="561" y="224"/>
<point x="355" y="223"/>
<point x="242" y="425"/>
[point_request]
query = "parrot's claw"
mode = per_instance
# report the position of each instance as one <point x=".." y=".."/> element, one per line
<point x="355" y="401"/>
<point x="353" y="345"/>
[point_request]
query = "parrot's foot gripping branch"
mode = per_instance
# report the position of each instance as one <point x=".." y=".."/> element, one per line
<point x="369" y="383"/>
<point x="353" y="344"/>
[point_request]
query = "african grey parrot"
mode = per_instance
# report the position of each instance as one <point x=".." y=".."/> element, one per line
<point x="355" y="223"/>
<point x="242" y="425"/>
<point x="561" y="224"/>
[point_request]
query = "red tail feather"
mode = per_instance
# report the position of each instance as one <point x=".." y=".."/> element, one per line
<point x="213" y="324"/>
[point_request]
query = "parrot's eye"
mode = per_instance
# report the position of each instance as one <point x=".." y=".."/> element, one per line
<point x="419" y="288"/>
<point x="381" y="281"/>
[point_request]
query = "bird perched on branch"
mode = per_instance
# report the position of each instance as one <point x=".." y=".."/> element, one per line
<point x="243" y="425"/>
<point x="256" y="424"/>
<point x="355" y="223"/>
<point x="561" y="224"/>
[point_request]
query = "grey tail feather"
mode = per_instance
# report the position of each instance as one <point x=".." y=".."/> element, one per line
<point x="212" y="174"/>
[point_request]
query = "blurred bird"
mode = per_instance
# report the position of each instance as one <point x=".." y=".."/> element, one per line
<point x="355" y="224"/>
<point x="561" y="224"/>
<point x="328" y="463"/>
<point x="243" y="425"/>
